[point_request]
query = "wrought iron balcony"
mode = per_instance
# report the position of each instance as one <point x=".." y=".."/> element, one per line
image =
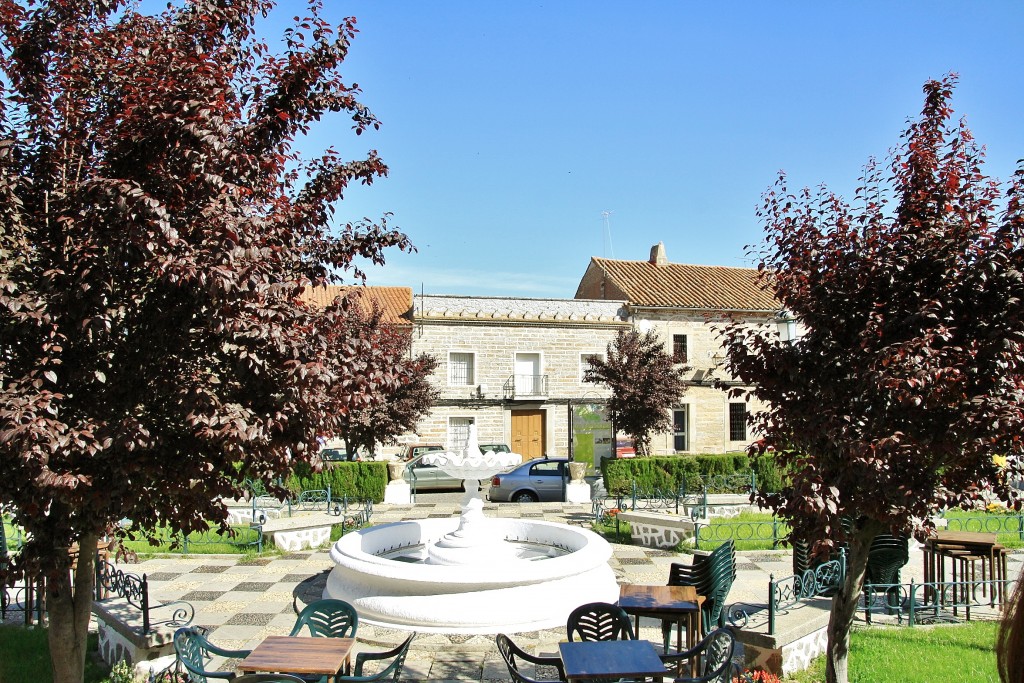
<point x="526" y="386"/>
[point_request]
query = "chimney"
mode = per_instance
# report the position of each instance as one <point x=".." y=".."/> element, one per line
<point x="658" y="257"/>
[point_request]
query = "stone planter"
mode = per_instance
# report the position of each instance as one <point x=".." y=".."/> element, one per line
<point x="576" y="471"/>
<point x="396" y="470"/>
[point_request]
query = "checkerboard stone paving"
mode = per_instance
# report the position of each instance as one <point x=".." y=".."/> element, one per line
<point x="244" y="600"/>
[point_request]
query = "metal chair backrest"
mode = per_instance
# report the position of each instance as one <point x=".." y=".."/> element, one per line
<point x="327" y="618"/>
<point x="513" y="655"/>
<point x="268" y="678"/>
<point x="599" y="621"/>
<point x="715" y="654"/>
<point x="393" y="670"/>
<point x="194" y="651"/>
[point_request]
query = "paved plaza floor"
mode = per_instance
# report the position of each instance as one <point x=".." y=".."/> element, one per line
<point x="244" y="600"/>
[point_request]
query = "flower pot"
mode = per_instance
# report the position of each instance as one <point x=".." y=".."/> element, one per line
<point x="576" y="471"/>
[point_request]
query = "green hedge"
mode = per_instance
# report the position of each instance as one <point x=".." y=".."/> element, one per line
<point x="670" y="472"/>
<point x="357" y="480"/>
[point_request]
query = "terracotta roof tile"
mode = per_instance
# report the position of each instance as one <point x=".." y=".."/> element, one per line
<point x="395" y="302"/>
<point x="684" y="286"/>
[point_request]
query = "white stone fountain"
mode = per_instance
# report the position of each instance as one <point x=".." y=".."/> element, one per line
<point x="471" y="575"/>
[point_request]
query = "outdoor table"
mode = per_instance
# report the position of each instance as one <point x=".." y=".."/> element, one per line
<point x="668" y="603"/>
<point x="961" y="547"/>
<point x="610" y="660"/>
<point x="299" y="655"/>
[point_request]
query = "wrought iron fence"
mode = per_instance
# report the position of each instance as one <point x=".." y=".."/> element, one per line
<point x="994" y="523"/>
<point x="134" y="589"/>
<point x="721" y="531"/>
<point x="790" y="591"/>
<point x="934" y="602"/>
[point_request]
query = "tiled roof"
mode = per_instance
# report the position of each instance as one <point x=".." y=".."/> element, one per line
<point x="684" y="286"/>
<point x="395" y="302"/>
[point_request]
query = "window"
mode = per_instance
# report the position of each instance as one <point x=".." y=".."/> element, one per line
<point x="460" y="369"/>
<point x="584" y="364"/>
<point x="679" y="354"/>
<point x="458" y="432"/>
<point x="737" y="422"/>
<point x="546" y="469"/>
<point x="680" y="431"/>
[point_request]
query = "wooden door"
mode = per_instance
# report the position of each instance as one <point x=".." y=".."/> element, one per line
<point x="528" y="433"/>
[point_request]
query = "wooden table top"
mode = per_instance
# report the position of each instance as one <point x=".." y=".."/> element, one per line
<point x="964" y="538"/>
<point x="611" y="659"/>
<point x="299" y="655"/>
<point x="637" y="599"/>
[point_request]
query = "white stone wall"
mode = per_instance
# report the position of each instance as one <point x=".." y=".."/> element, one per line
<point x="495" y="329"/>
<point x="708" y="407"/>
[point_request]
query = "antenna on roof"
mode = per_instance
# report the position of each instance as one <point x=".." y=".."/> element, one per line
<point x="609" y="249"/>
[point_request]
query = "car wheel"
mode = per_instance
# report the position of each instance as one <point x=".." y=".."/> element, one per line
<point x="524" y="497"/>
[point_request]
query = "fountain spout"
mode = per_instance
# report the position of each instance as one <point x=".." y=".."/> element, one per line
<point x="474" y="542"/>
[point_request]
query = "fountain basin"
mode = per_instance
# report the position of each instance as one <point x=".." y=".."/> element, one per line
<point x="553" y="569"/>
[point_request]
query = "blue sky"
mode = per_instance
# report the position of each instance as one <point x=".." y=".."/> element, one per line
<point x="510" y="126"/>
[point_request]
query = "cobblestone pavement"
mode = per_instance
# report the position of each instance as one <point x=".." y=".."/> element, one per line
<point x="243" y="600"/>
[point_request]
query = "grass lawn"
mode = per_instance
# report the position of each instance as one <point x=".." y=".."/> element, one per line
<point x="206" y="543"/>
<point x="923" y="654"/>
<point x="25" y="656"/>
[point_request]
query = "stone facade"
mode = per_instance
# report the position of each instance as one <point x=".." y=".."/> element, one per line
<point x="524" y="354"/>
<point x="706" y="408"/>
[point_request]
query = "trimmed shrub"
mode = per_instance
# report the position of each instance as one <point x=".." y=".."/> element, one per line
<point x="672" y="472"/>
<point x="357" y="480"/>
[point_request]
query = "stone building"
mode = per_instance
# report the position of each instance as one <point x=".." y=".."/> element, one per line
<point x="513" y="367"/>
<point x="686" y="305"/>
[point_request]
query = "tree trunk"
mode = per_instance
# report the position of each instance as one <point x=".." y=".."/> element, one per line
<point x="844" y="604"/>
<point x="70" y="606"/>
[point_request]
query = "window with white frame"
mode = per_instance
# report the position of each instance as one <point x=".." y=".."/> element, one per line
<point x="458" y="432"/>
<point x="737" y="422"/>
<point x="681" y="429"/>
<point x="584" y="361"/>
<point x="461" y="370"/>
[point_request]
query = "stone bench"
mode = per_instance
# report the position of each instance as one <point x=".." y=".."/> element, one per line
<point x="121" y="637"/>
<point x="129" y="627"/>
<point x="658" y="529"/>
<point x="301" y="531"/>
<point x="799" y="637"/>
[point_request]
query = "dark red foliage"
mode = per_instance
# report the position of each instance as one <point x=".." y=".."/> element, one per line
<point x="908" y="379"/>
<point x="156" y="230"/>
<point x="645" y="383"/>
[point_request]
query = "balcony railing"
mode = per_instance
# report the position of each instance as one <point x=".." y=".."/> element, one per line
<point x="518" y="386"/>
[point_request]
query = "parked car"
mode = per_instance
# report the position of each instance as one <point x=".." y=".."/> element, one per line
<point x="540" y="479"/>
<point x="496" y="447"/>
<point x="423" y="476"/>
<point x="624" y="448"/>
<point x="338" y="455"/>
<point x="417" y="449"/>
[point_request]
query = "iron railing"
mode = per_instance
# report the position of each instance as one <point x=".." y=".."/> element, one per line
<point x="525" y="385"/>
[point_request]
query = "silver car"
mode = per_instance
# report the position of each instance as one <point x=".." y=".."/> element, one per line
<point x="540" y="479"/>
<point x="422" y="476"/>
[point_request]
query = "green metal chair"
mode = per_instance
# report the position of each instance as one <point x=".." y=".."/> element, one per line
<point x="327" y="618"/>
<point x="268" y="678"/>
<point x="514" y="657"/>
<point x="599" y="621"/>
<point x="393" y="670"/>
<point x="714" y="655"/>
<point x="194" y="652"/>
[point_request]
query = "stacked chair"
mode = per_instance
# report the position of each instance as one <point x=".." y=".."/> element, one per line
<point x="886" y="557"/>
<point x="712" y="575"/>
